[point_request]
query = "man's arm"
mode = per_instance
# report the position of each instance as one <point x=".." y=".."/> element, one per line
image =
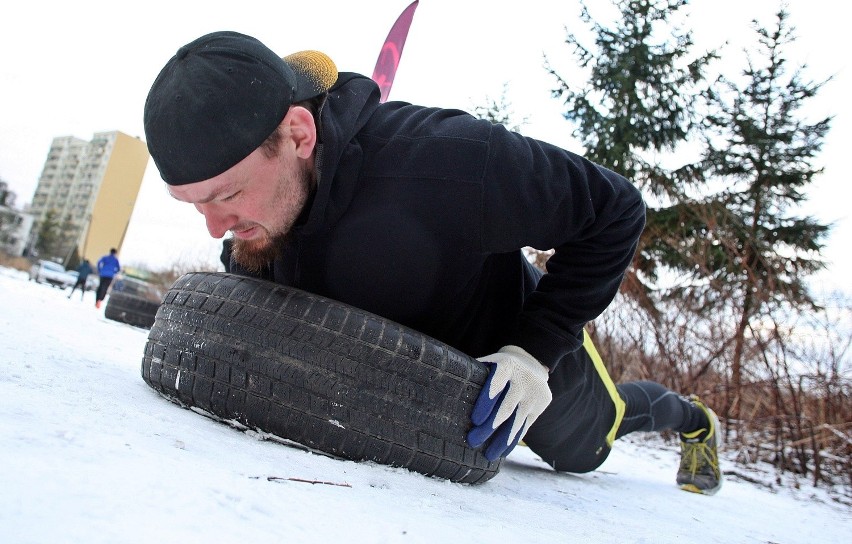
<point x="538" y="195"/>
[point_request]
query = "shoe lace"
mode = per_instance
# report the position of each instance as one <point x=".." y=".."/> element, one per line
<point x="698" y="455"/>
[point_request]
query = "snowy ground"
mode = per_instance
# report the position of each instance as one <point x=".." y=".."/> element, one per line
<point x="89" y="453"/>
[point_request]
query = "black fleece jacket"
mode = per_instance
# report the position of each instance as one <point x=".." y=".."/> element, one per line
<point x="420" y="215"/>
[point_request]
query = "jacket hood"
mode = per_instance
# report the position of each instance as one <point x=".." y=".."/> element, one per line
<point x="350" y="104"/>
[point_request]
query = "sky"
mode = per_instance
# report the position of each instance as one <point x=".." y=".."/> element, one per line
<point x="77" y="68"/>
<point x="91" y="454"/>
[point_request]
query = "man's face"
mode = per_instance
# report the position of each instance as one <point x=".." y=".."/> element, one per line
<point x="258" y="200"/>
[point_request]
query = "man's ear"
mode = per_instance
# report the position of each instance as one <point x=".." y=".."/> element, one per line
<point x="299" y="123"/>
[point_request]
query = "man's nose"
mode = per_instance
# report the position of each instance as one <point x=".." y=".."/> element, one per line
<point x="218" y="222"/>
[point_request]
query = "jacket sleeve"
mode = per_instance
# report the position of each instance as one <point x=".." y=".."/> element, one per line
<point x="538" y="195"/>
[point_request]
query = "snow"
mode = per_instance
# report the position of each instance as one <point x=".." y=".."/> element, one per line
<point x="89" y="453"/>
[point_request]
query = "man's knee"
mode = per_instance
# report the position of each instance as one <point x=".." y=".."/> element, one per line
<point x="580" y="459"/>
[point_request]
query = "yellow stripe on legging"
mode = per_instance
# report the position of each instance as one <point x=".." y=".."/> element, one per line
<point x="620" y="406"/>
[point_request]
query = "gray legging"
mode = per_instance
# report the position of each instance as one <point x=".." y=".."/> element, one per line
<point x="652" y="407"/>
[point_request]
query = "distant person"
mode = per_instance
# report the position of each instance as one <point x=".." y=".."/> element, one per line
<point x="108" y="267"/>
<point x="83" y="272"/>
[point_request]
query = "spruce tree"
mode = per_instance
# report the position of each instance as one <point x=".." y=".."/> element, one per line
<point x="640" y="102"/>
<point x="48" y="236"/>
<point x="67" y="237"/>
<point x="764" y="153"/>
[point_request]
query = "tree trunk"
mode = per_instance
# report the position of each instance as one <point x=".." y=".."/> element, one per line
<point x="734" y="394"/>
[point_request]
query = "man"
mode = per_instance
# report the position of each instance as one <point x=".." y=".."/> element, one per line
<point x="83" y="272"/>
<point x="108" y="267"/>
<point x="419" y="215"/>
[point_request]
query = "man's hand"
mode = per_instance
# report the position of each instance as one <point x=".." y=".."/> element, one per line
<point x="514" y="395"/>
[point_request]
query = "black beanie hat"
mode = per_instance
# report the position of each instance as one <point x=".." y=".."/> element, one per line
<point x="220" y="97"/>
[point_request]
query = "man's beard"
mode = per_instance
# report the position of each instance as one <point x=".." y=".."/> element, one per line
<point x="255" y="255"/>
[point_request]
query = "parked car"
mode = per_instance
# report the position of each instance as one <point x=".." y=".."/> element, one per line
<point x="136" y="287"/>
<point x="133" y="301"/>
<point x="53" y="273"/>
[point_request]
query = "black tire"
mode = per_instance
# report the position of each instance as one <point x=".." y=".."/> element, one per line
<point x="131" y="309"/>
<point x="317" y="372"/>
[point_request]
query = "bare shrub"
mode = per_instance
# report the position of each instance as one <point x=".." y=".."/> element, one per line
<point x="18" y="263"/>
<point x="795" y="400"/>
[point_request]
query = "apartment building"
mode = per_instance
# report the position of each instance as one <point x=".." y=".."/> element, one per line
<point x="87" y="190"/>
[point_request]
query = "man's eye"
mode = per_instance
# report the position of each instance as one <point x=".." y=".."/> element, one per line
<point x="231" y="197"/>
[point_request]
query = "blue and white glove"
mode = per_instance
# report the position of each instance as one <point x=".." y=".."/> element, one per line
<point x="514" y="395"/>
